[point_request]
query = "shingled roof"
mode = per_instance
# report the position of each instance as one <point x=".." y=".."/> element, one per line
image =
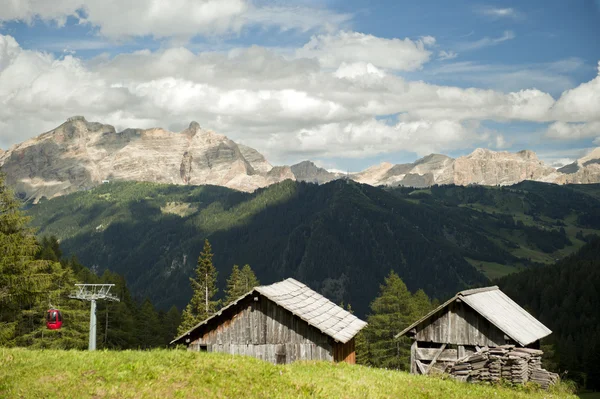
<point x="308" y="305"/>
<point x="500" y="310"/>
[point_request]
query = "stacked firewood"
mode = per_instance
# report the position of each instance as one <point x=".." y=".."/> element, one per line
<point x="516" y="365"/>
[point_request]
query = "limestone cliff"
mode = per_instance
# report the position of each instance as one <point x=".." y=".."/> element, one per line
<point x="309" y="172"/>
<point x="80" y="154"/>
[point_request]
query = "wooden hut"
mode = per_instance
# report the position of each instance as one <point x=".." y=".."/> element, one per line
<point x="467" y="323"/>
<point x="279" y="323"/>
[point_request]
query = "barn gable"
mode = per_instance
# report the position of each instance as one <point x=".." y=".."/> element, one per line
<point x="488" y="312"/>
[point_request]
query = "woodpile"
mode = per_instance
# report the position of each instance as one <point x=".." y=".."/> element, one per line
<point x="516" y="365"/>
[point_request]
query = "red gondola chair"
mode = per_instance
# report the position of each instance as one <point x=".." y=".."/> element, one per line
<point x="54" y="319"/>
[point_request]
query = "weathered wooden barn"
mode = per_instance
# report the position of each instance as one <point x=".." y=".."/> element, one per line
<point x="279" y="323"/>
<point x="471" y="320"/>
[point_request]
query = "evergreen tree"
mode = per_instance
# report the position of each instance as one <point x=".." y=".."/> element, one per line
<point x="239" y="283"/>
<point x="421" y="305"/>
<point x="392" y="311"/>
<point x="248" y="279"/>
<point x="204" y="286"/>
<point x="148" y="327"/>
<point x="30" y="280"/>
<point x="171" y="322"/>
<point x="233" y="288"/>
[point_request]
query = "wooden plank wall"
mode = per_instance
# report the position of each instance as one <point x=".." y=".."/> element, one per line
<point x="344" y="352"/>
<point x="264" y="330"/>
<point x="459" y="324"/>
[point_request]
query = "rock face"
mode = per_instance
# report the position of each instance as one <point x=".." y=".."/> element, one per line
<point x="500" y="168"/>
<point x="80" y="154"/>
<point x="585" y="170"/>
<point x="309" y="172"/>
<point x="482" y="166"/>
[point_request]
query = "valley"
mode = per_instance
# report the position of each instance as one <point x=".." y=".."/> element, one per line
<point x="441" y="239"/>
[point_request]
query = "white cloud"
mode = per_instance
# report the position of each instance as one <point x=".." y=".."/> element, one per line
<point x="177" y="19"/>
<point x="573" y="131"/>
<point x="358" y="69"/>
<point x="497" y="12"/>
<point x="281" y="105"/>
<point x="581" y="103"/>
<point x="486" y="42"/>
<point x="370" y="137"/>
<point x="447" y="55"/>
<point x="350" y="47"/>
<point x="553" y="77"/>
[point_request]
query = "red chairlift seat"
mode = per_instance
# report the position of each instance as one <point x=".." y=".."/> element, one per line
<point x="54" y="319"/>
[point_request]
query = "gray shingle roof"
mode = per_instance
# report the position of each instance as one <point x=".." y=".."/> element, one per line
<point x="501" y="311"/>
<point x="308" y="305"/>
<point x="313" y="308"/>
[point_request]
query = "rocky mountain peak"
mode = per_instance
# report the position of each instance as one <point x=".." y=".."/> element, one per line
<point x="79" y="154"/>
<point x="308" y="171"/>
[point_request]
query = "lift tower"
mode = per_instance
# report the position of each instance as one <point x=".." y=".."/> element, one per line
<point x="92" y="293"/>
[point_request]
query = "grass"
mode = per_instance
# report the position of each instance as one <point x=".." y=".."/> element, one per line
<point x="492" y="270"/>
<point x="181" y="374"/>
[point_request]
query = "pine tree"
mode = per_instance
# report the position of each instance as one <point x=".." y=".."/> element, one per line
<point x="171" y="322"/>
<point x="26" y="283"/>
<point x="392" y="311"/>
<point x="239" y="283"/>
<point x="32" y="279"/>
<point x="204" y="286"/>
<point x="248" y="279"/>
<point x="147" y="326"/>
<point x="233" y="289"/>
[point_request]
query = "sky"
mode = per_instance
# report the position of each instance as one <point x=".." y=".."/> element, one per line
<point x="344" y="83"/>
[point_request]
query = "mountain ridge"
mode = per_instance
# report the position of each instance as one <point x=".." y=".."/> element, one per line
<point x="79" y="155"/>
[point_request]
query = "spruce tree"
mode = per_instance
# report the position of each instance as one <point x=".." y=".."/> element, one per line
<point x="31" y="278"/>
<point x="239" y="283"/>
<point x="392" y="311"/>
<point x="204" y="286"/>
<point x="248" y="279"/>
<point x="233" y="289"/>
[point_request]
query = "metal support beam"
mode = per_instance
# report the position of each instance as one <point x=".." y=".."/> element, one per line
<point x="92" y="293"/>
<point x="92" y="340"/>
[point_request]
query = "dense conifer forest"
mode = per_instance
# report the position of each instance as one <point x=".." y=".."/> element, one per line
<point x="565" y="296"/>
<point x="341" y="238"/>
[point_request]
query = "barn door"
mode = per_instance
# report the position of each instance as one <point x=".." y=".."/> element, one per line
<point x="280" y="354"/>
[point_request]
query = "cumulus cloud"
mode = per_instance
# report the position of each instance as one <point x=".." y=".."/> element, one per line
<point x="573" y="131"/>
<point x="370" y="137"/>
<point x="396" y="54"/>
<point x="156" y="18"/>
<point x="581" y="103"/>
<point x="285" y="106"/>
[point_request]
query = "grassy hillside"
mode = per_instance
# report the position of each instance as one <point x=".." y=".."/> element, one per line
<point x="340" y="238"/>
<point x="181" y="374"/>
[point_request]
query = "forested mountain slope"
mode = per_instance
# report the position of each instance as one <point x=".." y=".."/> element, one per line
<point x="340" y="238"/>
<point x="566" y="297"/>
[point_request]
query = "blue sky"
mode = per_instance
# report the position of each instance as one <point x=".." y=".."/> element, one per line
<point x="345" y="83"/>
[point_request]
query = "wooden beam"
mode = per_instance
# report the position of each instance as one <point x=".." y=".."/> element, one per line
<point x="435" y="358"/>
<point x="429" y="353"/>
<point x="421" y="367"/>
<point x="413" y="357"/>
